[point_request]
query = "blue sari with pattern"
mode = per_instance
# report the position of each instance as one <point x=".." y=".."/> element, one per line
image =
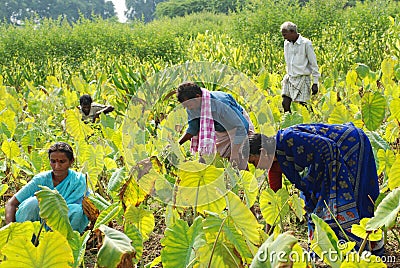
<point x="331" y="163"/>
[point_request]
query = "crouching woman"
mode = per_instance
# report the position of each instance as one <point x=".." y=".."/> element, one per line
<point x="71" y="185"/>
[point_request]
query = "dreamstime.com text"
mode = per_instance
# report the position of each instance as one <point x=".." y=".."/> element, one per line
<point x="330" y="255"/>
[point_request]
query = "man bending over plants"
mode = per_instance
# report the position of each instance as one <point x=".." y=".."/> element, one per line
<point x="215" y="121"/>
<point x="91" y="110"/>
<point x="333" y="166"/>
<point x="24" y="206"/>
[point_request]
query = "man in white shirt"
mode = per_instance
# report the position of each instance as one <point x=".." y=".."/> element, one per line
<point x="301" y="63"/>
<point x="91" y="110"/>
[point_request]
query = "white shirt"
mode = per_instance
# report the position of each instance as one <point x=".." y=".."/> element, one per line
<point x="301" y="59"/>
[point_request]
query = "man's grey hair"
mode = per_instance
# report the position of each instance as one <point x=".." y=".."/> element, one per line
<point x="289" y="26"/>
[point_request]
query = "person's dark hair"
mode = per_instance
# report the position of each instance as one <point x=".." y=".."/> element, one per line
<point x="188" y="90"/>
<point x="258" y="141"/>
<point x="85" y="99"/>
<point x="62" y="147"/>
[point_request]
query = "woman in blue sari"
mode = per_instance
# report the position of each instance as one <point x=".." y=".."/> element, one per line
<point x="332" y="164"/>
<point x="24" y="206"/>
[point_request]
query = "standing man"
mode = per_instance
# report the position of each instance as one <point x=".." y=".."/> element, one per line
<point x="301" y="63"/>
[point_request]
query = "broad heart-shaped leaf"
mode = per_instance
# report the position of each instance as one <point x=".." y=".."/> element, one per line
<point x="386" y="160"/>
<point x="199" y="184"/>
<point x="362" y="70"/>
<point x="274" y="206"/>
<point x="54" y="210"/>
<point x="325" y="243"/>
<point x="250" y="186"/>
<point x="394" y="174"/>
<point x="116" y="248"/>
<point x="297" y="205"/>
<point x="353" y="260"/>
<point x="8" y="119"/>
<point x="221" y="257"/>
<point x="75" y="126"/>
<point x="18" y="229"/>
<point x="10" y="149"/>
<point x="108" y="214"/>
<point x="395" y="109"/>
<point x="242" y="218"/>
<point x="274" y="251"/>
<point x="132" y="193"/>
<point x="386" y="212"/>
<point x="373" y="108"/>
<point x="224" y="231"/>
<point x="142" y="219"/>
<point x="117" y="179"/>
<point x="340" y="115"/>
<point x="181" y="243"/>
<point x="360" y="231"/>
<point x="53" y="251"/>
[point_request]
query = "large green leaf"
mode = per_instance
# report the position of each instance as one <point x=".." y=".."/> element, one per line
<point x="75" y="126"/>
<point x="297" y="205"/>
<point x="274" y="206"/>
<point x="17" y="229"/>
<point x="137" y="241"/>
<point x="325" y="241"/>
<point x="10" y="149"/>
<point x="394" y="174"/>
<point x="373" y="108"/>
<point x="362" y="70"/>
<point x="108" y="214"/>
<point x="53" y="251"/>
<point x="200" y="185"/>
<point x="78" y="246"/>
<point x="181" y="243"/>
<point x="116" y="249"/>
<point x="340" y="115"/>
<point x="117" y="180"/>
<point x="54" y="210"/>
<point x="219" y="254"/>
<point x="386" y="213"/>
<point x="395" y="109"/>
<point x="274" y="251"/>
<point x="361" y="231"/>
<point x="224" y="231"/>
<point x="142" y="219"/>
<point x="243" y="220"/>
<point x="386" y="160"/>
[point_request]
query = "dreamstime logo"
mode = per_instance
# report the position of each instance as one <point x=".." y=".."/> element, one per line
<point x="331" y="255"/>
<point x="148" y="104"/>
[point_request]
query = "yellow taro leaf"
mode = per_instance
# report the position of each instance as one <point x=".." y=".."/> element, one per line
<point x="387" y="67"/>
<point x="8" y="118"/>
<point x="351" y="78"/>
<point x="360" y="231"/>
<point x="109" y="163"/>
<point x="71" y="99"/>
<point x="10" y="149"/>
<point x="142" y="219"/>
<point x="340" y="115"/>
<point x="132" y="194"/>
<point x="394" y="174"/>
<point x="386" y="160"/>
<point x="53" y="251"/>
<point x="199" y="184"/>
<point x="392" y="132"/>
<point x="395" y="109"/>
<point x="75" y="126"/>
<point x="94" y="161"/>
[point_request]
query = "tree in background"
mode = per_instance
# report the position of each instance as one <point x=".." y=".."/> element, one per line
<point x="14" y="11"/>
<point x="179" y="8"/>
<point x="141" y="9"/>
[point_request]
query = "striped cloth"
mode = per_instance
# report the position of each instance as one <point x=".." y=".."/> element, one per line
<point x="205" y="142"/>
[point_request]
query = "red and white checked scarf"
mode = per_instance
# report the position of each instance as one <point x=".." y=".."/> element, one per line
<point x="204" y="143"/>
